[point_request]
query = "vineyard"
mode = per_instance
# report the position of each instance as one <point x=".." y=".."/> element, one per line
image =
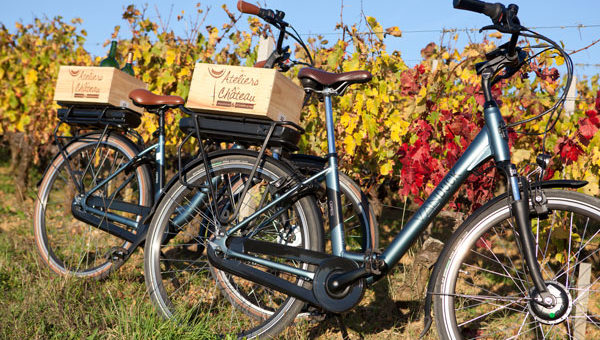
<point x="402" y="131"/>
<point x="397" y="135"/>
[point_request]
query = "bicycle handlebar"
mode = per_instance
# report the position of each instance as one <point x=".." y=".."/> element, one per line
<point x="247" y="8"/>
<point x="494" y="11"/>
<point x="275" y="18"/>
<point x="267" y="15"/>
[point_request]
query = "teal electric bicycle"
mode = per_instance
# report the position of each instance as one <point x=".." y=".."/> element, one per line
<point x="252" y="256"/>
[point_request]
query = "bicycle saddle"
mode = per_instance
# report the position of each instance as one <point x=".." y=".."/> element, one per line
<point x="147" y="99"/>
<point x="315" y="80"/>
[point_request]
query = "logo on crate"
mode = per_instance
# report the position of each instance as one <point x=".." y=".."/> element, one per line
<point x="216" y="74"/>
<point x="233" y="89"/>
<point x="85" y="83"/>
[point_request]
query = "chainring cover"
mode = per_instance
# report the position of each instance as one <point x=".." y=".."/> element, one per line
<point x="337" y="302"/>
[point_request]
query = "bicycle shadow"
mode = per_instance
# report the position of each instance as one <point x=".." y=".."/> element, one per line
<point x="395" y="304"/>
<point x="381" y="310"/>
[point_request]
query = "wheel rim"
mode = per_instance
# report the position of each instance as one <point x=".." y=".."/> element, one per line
<point x="69" y="246"/>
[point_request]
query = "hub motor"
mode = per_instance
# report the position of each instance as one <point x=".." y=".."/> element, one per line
<point x="553" y="314"/>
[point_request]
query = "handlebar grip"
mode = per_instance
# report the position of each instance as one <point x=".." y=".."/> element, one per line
<point x="247" y="8"/>
<point x="494" y="11"/>
<point x="260" y="64"/>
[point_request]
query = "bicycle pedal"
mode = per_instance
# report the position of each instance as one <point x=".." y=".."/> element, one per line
<point x="116" y="254"/>
<point x="313" y="314"/>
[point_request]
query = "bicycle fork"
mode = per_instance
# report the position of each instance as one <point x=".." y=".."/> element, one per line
<point x="520" y="200"/>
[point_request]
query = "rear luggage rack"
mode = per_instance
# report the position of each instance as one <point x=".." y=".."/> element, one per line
<point x="98" y="116"/>
<point x="232" y="129"/>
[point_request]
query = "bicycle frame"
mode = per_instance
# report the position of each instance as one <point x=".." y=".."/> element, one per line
<point x="490" y="142"/>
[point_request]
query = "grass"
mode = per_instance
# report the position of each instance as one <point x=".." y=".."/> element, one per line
<point x="36" y="304"/>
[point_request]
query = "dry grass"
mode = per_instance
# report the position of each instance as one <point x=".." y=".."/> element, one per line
<point x="36" y="304"/>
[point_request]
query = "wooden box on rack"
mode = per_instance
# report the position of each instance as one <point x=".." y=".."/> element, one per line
<point x="256" y="92"/>
<point x="97" y="86"/>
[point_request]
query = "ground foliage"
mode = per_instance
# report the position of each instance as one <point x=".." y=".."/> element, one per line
<point x="397" y="135"/>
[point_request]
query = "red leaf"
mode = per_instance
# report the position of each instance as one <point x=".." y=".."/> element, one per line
<point x="587" y="128"/>
<point x="483" y="243"/>
<point x="593" y="116"/>
<point x="568" y="150"/>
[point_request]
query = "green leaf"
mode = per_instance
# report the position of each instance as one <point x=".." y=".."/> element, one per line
<point x="375" y="27"/>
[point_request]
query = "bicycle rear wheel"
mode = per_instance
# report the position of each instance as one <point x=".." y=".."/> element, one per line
<point x="179" y="278"/>
<point x="484" y="291"/>
<point x="360" y="230"/>
<point x="72" y="247"/>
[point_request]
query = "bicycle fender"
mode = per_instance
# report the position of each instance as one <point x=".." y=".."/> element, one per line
<point x="75" y="139"/>
<point x="551" y="184"/>
<point x="197" y="161"/>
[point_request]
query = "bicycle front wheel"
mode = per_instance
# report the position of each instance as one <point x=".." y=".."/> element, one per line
<point x="67" y="245"/>
<point x="484" y="291"/>
<point x="180" y="280"/>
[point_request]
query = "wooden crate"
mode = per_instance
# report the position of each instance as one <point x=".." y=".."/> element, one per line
<point x="96" y="85"/>
<point x="256" y="92"/>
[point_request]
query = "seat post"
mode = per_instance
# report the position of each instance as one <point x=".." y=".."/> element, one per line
<point x="333" y="182"/>
<point x="160" y="152"/>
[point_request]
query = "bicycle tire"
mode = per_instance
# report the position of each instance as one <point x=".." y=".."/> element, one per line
<point x="483" y="289"/>
<point x="57" y="233"/>
<point x="175" y="291"/>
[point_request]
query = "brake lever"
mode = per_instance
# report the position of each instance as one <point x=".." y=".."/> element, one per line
<point x="508" y="22"/>
<point x="283" y="66"/>
<point x="501" y="28"/>
<point x="510" y="70"/>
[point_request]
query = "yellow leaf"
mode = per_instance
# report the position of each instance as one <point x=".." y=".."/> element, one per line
<point x="31" y="77"/>
<point x="422" y="94"/>
<point x="456" y="55"/>
<point x="559" y="60"/>
<point x="23" y="121"/>
<point x="496" y="35"/>
<point x="398" y="130"/>
<point x="393" y="31"/>
<point x="386" y="168"/>
<point x="350" y="144"/>
<point x="592" y="188"/>
<point x="375" y="27"/>
<point x="170" y="57"/>
<point x="183" y="73"/>
<point x="560" y="257"/>
<point x="345" y="119"/>
<point x="520" y="155"/>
